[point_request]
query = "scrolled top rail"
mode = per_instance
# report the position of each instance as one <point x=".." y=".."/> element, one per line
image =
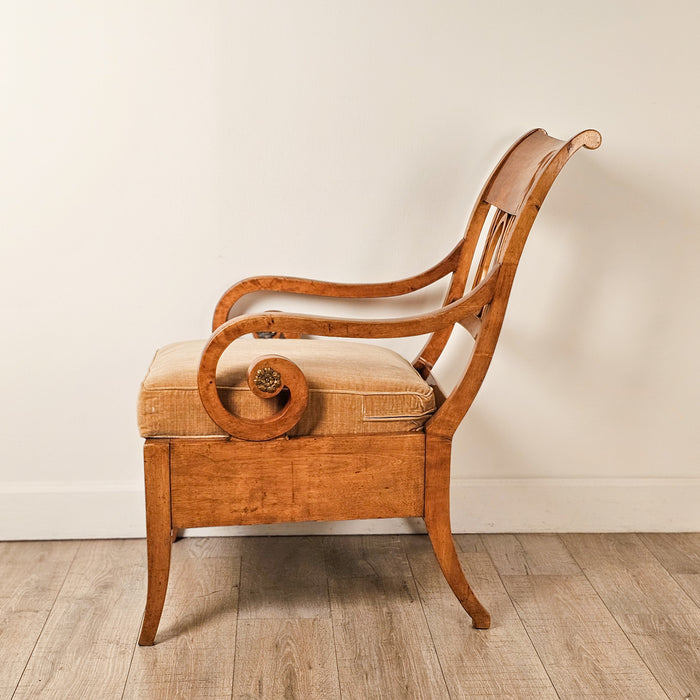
<point x="590" y="138"/>
<point x="269" y="374"/>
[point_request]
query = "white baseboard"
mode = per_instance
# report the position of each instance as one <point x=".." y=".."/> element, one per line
<point x="87" y="510"/>
<point x="576" y="505"/>
<point x="71" y="510"/>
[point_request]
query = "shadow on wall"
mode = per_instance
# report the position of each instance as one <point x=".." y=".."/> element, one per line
<point x="598" y="340"/>
<point x="631" y="251"/>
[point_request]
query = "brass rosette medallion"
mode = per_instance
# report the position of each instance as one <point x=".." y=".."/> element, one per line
<point x="267" y="380"/>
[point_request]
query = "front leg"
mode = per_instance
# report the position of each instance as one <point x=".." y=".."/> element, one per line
<point x="156" y="459"/>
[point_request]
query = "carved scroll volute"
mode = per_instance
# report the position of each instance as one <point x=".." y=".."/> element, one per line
<point x="268" y="376"/>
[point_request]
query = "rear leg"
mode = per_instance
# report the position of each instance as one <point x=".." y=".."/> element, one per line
<point x="437" y="522"/>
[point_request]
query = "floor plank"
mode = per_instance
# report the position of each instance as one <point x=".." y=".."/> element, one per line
<point x="383" y="645"/>
<point x="530" y="554"/>
<point x="627" y="576"/>
<point x="87" y="643"/>
<point x="365" y="555"/>
<point x="690" y="583"/>
<point x="653" y="609"/>
<point x="470" y="543"/>
<point x="670" y="645"/>
<point x="291" y="659"/>
<point x="193" y="656"/>
<point x="678" y="552"/>
<point x="210" y="547"/>
<point x="608" y="616"/>
<point x="496" y="663"/>
<point x="582" y="647"/>
<point x="32" y="575"/>
<point x="283" y="578"/>
<point x="416" y="544"/>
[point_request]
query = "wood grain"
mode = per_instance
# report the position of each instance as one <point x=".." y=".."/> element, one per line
<point x="627" y="576"/>
<point x="284" y="658"/>
<point x="652" y="608"/>
<point x="382" y="641"/>
<point x="397" y="632"/>
<point x="690" y="583"/>
<point x="678" y="552"/>
<point x="159" y="533"/>
<point x="32" y="576"/>
<point x="670" y="647"/>
<point x="283" y="577"/>
<point x="299" y="479"/>
<point x="287" y="375"/>
<point x="194" y="656"/>
<point x="583" y="649"/>
<point x="495" y="663"/>
<point x="87" y="644"/>
<point x="530" y="554"/>
<point x="470" y="543"/>
<point x="365" y="555"/>
<point x="437" y="523"/>
<point x="213" y="547"/>
<point x="512" y="183"/>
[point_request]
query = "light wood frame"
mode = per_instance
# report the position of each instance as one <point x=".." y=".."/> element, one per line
<point x="247" y="478"/>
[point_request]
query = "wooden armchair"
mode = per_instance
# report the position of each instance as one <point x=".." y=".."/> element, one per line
<point x="242" y="431"/>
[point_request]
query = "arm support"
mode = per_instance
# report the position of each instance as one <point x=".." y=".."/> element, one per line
<point x="297" y="285"/>
<point x="285" y="374"/>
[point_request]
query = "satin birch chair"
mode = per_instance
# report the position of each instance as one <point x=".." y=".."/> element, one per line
<point x="242" y="431"/>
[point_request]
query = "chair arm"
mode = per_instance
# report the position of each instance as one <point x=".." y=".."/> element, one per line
<point x="269" y="374"/>
<point x="298" y="285"/>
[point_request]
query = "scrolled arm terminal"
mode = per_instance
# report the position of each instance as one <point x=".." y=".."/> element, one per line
<point x="268" y="375"/>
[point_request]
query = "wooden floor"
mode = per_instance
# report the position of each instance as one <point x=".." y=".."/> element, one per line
<point x="574" y="616"/>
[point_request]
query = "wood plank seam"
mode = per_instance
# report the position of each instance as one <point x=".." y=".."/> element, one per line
<point x="48" y="614"/>
<point x="673" y="574"/>
<point x="238" y="617"/>
<point x="525" y="627"/>
<point x="613" y="616"/>
<point x="658" y="669"/>
<point x="335" y="646"/>
<point x="428" y="626"/>
<point x="131" y="660"/>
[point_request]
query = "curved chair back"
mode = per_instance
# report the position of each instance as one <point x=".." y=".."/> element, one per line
<point x="498" y="228"/>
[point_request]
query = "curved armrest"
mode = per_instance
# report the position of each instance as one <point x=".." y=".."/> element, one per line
<point x="269" y="374"/>
<point x="298" y="285"/>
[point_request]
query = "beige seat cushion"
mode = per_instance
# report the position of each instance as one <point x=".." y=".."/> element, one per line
<point x="354" y="388"/>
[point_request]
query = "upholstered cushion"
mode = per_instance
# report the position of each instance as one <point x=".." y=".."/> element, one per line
<point x="354" y="388"/>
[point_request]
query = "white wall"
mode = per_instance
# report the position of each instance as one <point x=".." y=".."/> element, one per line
<point x="151" y="153"/>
